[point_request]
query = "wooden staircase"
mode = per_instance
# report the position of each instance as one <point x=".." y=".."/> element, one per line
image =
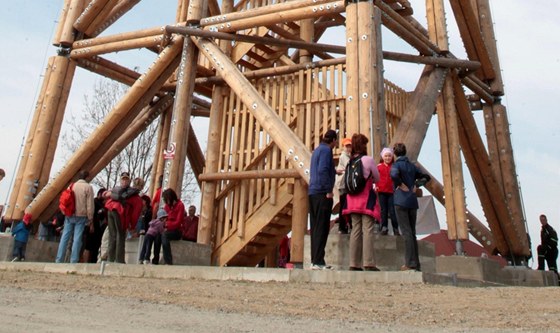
<point x="262" y="232"/>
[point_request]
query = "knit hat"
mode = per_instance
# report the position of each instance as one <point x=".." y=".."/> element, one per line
<point x="386" y="150"/>
<point x="161" y="213"/>
<point x="125" y="175"/>
<point x="346" y="142"/>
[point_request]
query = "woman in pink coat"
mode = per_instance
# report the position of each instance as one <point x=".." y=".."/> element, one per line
<point x="360" y="207"/>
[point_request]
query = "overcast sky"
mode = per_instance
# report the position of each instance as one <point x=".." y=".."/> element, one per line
<point x="528" y="44"/>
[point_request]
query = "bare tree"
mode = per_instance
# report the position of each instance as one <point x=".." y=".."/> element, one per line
<point x="136" y="158"/>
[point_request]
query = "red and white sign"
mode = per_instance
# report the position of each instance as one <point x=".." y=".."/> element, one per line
<point x="169" y="153"/>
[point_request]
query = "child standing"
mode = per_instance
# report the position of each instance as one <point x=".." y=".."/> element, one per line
<point x="385" y="192"/>
<point x="343" y="221"/>
<point x="156" y="228"/>
<point x="21" y="234"/>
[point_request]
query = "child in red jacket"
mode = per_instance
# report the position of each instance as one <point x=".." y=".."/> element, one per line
<point x="385" y="192"/>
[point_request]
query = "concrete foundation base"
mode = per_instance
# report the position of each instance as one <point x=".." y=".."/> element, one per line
<point x="36" y="251"/>
<point x="489" y="271"/>
<point x="184" y="253"/>
<point x="389" y="252"/>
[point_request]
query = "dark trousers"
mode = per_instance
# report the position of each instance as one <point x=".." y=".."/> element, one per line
<point x="550" y="256"/>
<point x="320" y="210"/>
<point x="157" y="249"/>
<point x="117" y="238"/>
<point x="146" y="252"/>
<point x="19" y="250"/>
<point x="343" y="220"/>
<point x="407" y="221"/>
<point x="166" y="237"/>
<point x="387" y="209"/>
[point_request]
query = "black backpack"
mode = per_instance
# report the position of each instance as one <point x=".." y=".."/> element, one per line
<point x="354" y="180"/>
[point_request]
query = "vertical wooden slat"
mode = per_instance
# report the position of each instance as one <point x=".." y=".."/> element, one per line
<point x="352" y="71"/>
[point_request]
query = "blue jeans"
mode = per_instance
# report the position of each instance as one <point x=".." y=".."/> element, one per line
<point x="19" y="250"/>
<point x="146" y="252"/>
<point x="73" y="225"/>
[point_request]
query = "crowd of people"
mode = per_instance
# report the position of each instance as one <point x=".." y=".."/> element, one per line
<point x="99" y="226"/>
<point x="389" y="191"/>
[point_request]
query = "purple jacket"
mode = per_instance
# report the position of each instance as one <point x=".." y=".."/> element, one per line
<point x="156" y="227"/>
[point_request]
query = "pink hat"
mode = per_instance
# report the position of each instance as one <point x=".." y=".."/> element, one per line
<point x="386" y="150"/>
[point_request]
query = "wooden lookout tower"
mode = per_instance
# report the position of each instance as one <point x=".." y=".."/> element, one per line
<point x="271" y="81"/>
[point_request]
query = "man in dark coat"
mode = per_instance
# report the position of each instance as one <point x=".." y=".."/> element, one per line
<point x="548" y="250"/>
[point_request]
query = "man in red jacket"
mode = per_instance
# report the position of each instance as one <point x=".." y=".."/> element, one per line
<point x="123" y="210"/>
<point x="190" y="228"/>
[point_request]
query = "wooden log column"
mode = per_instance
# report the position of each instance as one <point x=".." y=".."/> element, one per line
<point x="455" y="205"/>
<point x="67" y="31"/>
<point x="207" y="222"/>
<point x="352" y="71"/>
<point x="28" y="141"/>
<point x="163" y="141"/>
<point x="182" y="109"/>
<point x="42" y="135"/>
<point x="57" y="126"/>
<point x="300" y="199"/>
<point x="507" y="175"/>
<point x="377" y="91"/>
<point x="487" y="30"/>
<point x="491" y="198"/>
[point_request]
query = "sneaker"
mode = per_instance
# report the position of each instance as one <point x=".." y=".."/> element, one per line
<point x="384" y="232"/>
<point x="147" y="262"/>
<point x="396" y="233"/>
<point x="355" y="269"/>
<point x="316" y="267"/>
<point x="15" y="259"/>
<point x="327" y="267"/>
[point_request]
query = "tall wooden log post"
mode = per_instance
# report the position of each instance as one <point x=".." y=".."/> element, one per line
<point x="300" y="199"/>
<point x="206" y="225"/>
<point x="134" y="95"/>
<point x="365" y="110"/>
<point x="451" y="162"/>
<point x="497" y="132"/>
<point x="503" y="166"/>
<point x="28" y="141"/>
<point x="487" y="29"/>
<point x="508" y="241"/>
<point x="36" y="158"/>
<point x="68" y="34"/>
<point x="352" y="71"/>
<point x="181" y="119"/>
<point x="57" y="126"/>
<point x="162" y="141"/>
<point x="377" y="110"/>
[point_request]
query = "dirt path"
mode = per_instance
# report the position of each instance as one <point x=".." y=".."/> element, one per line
<point x="43" y="302"/>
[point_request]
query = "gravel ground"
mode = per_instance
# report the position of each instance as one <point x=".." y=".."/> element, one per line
<point x="41" y="302"/>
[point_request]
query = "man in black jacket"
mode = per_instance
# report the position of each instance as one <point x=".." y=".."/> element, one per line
<point x="548" y="250"/>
